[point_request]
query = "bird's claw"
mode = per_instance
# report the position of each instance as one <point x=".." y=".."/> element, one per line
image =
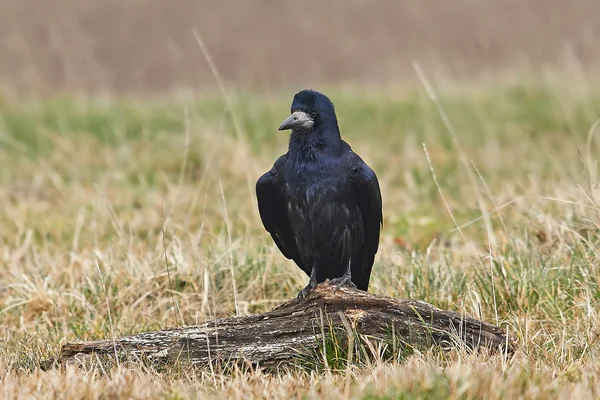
<point x="342" y="281"/>
<point x="304" y="292"/>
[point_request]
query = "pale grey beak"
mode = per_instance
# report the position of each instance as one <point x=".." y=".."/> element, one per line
<point x="298" y="120"/>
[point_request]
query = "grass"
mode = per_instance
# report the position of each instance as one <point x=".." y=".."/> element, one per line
<point x="101" y="195"/>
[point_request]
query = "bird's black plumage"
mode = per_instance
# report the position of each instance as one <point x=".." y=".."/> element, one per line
<point x="320" y="202"/>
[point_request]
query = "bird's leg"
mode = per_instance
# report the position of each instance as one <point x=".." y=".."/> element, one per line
<point x="312" y="283"/>
<point x="344" y="280"/>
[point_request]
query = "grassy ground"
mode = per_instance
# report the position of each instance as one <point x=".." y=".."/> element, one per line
<point x="100" y="196"/>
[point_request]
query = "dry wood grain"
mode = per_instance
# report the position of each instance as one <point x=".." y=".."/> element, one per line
<point x="296" y="327"/>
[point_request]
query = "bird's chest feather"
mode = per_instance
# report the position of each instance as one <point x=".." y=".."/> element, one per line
<point x="317" y="195"/>
<point x="314" y="182"/>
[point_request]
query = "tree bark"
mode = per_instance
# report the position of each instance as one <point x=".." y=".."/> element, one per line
<point x="297" y="327"/>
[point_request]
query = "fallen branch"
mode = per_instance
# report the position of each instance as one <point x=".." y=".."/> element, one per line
<point x="297" y="327"/>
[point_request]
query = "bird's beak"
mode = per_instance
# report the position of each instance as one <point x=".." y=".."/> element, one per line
<point x="298" y="120"/>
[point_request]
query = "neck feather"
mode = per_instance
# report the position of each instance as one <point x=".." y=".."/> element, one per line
<point x="307" y="145"/>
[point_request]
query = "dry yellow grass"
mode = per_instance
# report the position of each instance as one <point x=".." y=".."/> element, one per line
<point x="90" y="185"/>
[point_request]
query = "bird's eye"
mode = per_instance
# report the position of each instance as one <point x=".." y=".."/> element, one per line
<point x="313" y="114"/>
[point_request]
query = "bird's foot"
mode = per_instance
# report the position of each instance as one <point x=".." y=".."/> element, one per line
<point x="344" y="280"/>
<point x="304" y="292"/>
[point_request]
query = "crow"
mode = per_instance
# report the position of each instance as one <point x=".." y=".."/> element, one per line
<point x="320" y="201"/>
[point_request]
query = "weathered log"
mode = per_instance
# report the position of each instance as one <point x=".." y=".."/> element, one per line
<point x="297" y="326"/>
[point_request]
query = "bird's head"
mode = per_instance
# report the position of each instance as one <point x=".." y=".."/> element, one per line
<point x="310" y="110"/>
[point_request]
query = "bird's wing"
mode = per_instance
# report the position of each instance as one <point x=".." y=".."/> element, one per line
<point x="368" y="198"/>
<point x="273" y="213"/>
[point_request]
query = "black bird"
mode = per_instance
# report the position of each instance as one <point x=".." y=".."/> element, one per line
<point x="320" y="202"/>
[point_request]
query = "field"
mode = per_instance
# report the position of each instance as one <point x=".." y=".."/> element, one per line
<point x="127" y="184"/>
<point x="125" y="214"/>
<point x="147" y="46"/>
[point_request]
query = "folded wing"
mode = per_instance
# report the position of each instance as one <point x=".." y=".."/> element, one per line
<point x="272" y="207"/>
<point x="367" y="195"/>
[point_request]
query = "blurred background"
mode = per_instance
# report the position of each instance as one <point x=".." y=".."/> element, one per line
<point x="147" y="46"/>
